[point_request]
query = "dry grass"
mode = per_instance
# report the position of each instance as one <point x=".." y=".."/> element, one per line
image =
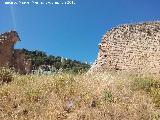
<point x="5" y="75"/>
<point x="101" y="96"/>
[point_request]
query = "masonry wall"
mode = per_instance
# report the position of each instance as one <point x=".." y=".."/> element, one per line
<point x="134" y="47"/>
<point x="9" y="57"/>
<point x="6" y="49"/>
<point x="21" y="64"/>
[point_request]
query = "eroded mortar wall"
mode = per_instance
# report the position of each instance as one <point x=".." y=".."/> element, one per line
<point x="21" y="64"/>
<point x="5" y="54"/>
<point x="9" y="57"/>
<point x="131" y="47"/>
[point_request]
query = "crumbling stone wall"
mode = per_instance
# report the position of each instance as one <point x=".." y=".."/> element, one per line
<point x="134" y="47"/>
<point x="7" y="41"/>
<point x="9" y="57"/>
<point x="20" y="63"/>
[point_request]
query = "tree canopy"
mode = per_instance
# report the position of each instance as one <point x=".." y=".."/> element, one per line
<point x="39" y="58"/>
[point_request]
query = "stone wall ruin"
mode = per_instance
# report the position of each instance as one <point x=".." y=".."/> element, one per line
<point x="10" y="57"/>
<point x="134" y="47"/>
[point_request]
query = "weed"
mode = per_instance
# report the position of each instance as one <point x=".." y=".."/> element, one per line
<point x="6" y="75"/>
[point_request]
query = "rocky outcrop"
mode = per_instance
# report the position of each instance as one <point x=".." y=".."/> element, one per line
<point x="10" y="57"/>
<point x="134" y="47"/>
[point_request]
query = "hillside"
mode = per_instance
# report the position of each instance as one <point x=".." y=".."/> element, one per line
<point x="98" y="96"/>
<point x="41" y="59"/>
<point x="114" y="93"/>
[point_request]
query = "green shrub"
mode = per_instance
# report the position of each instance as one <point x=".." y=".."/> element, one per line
<point x="6" y="75"/>
<point x="33" y="95"/>
<point x="107" y="96"/>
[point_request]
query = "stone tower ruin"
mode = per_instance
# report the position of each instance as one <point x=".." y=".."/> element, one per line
<point x="10" y="57"/>
<point x="133" y="47"/>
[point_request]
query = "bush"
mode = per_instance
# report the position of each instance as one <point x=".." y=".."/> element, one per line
<point x="6" y="75"/>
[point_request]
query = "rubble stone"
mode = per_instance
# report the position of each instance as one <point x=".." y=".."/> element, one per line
<point x="10" y="57"/>
<point x="130" y="47"/>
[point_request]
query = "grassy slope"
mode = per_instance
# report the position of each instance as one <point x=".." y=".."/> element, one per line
<point x="102" y="96"/>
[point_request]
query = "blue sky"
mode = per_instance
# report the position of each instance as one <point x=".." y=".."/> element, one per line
<point x="73" y="31"/>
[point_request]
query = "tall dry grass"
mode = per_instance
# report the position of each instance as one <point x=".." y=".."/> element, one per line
<point x="98" y="96"/>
